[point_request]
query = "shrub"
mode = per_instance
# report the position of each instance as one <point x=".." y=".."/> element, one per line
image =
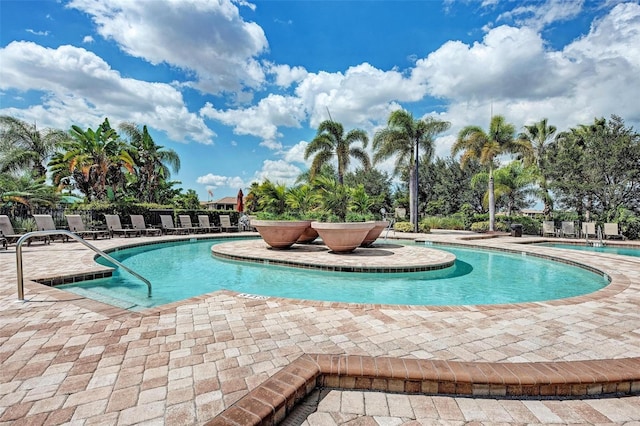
<point x="483" y="226"/>
<point x="449" y="222"/>
<point x="403" y="226"/>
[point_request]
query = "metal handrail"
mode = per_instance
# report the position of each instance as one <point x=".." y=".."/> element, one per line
<point x="70" y="234"/>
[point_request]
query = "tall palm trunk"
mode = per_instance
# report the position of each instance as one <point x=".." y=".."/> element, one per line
<point x="492" y="203"/>
<point x="413" y="199"/>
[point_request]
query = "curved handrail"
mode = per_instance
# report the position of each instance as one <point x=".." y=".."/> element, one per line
<point x="69" y="234"/>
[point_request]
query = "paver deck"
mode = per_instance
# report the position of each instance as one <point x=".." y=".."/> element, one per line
<point x="65" y="359"/>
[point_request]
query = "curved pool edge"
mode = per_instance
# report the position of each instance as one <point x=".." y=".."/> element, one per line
<point x="617" y="282"/>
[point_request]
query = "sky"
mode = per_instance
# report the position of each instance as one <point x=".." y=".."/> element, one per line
<point x="238" y="88"/>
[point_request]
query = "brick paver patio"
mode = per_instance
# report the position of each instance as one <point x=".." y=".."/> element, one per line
<point x="69" y="360"/>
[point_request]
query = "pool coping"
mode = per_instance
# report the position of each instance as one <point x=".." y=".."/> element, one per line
<point x="271" y="402"/>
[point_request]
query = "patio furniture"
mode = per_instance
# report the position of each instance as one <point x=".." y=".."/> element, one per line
<point x="168" y="226"/>
<point x="76" y="225"/>
<point x="589" y="229"/>
<point x="568" y="229"/>
<point x="549" y="228"/>
<point x="137" y="222"/>
<point x="205" y="225"/>
<point x="225" y="223"/>
<point x="185" y="223"/>
<point x="6" y="231"/>
<point x="115" y="227"/>
<point x="45" y="222"/>
<point x="611" y="230"/>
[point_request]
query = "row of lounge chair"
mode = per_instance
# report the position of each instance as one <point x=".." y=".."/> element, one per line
<point x="45" y="222"/>
<point x="588" y="230"/>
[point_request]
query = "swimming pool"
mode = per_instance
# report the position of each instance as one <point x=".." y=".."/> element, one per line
<point x="180" y="270"/>
<point x="626" y="251"/>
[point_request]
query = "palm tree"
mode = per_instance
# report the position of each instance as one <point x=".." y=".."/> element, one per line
<point x="485" y="147"/>
<point x="539" y="136"/>
<point x="26" y="147"/>
<point x="152" y="161"/>
<point x="512" y="185"/>
<point x="329" y="141"/>
<point x="405" y="138"/>
<point x="93" y="159"/>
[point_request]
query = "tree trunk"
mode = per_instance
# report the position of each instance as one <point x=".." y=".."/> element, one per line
<point x="492" y="204"/>
<point x="413" y="190"/>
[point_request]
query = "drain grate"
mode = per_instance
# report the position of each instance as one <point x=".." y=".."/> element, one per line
<point x="305" y="408"/>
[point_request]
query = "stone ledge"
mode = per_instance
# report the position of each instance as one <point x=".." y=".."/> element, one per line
<point x="270" y="402"/>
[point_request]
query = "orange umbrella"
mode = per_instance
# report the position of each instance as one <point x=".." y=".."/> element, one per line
<point x="240" y="201"/>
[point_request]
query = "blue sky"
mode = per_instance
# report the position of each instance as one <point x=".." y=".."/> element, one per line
<point x="238" y="88"/>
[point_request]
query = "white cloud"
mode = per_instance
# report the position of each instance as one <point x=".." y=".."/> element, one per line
<point x="295" y="154"/>
<point x="38" y="33"/>
<point x="222" y="56"/>
<point x="216" y="181"/>
<point x="261" y="120"/>
<point x="81" y="86"/>
<point x="286" y="75"/>
<point x="539" y="15"/>
<point x="278" y="171"/>
<point x="87" y="39"/>
<point x="512" y="73"/>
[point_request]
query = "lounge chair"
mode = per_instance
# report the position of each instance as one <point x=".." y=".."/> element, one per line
<point x="6" y="231"/>
<point x="45" y="222"/>
<point x="76" y="225"/>
<point x="185" y="223"/>
<point x="168" y="227"/>
<point x="549" y="228"/>
<point x="225" y="223"/>
<point x="569" y="229"/>
<point x="205" y="225"/>
<point x="611" y="230"/>
<point x="589" y="229"/>
<point x="115" y="227"/>
<point x="137" y="222"/>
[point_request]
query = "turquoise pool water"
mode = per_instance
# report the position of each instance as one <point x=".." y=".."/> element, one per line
<point x="182" y="270"/>
<point x="627" y="251"/>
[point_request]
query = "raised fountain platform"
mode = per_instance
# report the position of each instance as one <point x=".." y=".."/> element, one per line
<point x="380" y="258"/>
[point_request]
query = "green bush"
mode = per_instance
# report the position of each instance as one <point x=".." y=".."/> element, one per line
<point x="483" y="226"/>
<point x="403" y="226"/>
<point x="408" y="227"/>
<point x="448" y="222"/>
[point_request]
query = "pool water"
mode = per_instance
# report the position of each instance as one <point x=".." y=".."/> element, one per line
<point x="627" y="251"/>
<point x="180" y="270"/>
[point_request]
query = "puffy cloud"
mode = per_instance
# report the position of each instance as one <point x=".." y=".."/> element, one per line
<point x="215" y="181"/>
<point x="349" y="97"/>
<point x="222" y="56"/>
<point x="295" y="154"/>
<point x="278" y="171"/>
<point x="81" y="85"/>
<point x="286" y="75"/>
<point x="508" y="63"/>
<point x="261" y="120"/>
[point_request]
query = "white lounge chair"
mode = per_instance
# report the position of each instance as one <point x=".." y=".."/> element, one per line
<point x="549" y="228"/>
<point x="569" y="229"/>
<point x="589" y="229"/>
<point x="611" y="230"/>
